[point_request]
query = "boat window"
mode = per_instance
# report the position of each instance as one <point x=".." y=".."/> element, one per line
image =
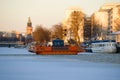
<point x="100" y="45"/>
<point x="110" y="44"/>
<point x="113" y="44"/>
<point x="103" y="45"/>
<point x="93" y="45"/>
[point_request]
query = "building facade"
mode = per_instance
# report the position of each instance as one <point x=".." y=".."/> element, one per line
<point x="99" y="25"/>
<point x="104" y="20"/>
<point x="113" y="16"/>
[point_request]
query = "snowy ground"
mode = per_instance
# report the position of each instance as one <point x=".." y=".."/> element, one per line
<point x="19" y="64"/>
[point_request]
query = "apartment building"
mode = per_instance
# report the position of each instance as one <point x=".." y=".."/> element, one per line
<point x="104" y="19"/>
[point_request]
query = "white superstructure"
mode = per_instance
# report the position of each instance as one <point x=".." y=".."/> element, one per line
<point x="104" y="46"/>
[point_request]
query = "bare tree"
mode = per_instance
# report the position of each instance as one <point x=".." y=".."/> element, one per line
<point x="56" y="31"/>
<point x="41" y="34"/>
<point x="75" y="20"/>
<point x="96" y="31"/>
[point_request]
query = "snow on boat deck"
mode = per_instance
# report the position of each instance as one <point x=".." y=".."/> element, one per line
<point x="19" y="64"/>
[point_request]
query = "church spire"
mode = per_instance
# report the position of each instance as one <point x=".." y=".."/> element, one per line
<point x="29" y="23"/>
<point x="29" y="27"/>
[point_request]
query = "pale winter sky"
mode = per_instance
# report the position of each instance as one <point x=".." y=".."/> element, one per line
<point x="14" y="13"/>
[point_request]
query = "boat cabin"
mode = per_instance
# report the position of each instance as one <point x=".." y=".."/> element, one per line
<point x="104" y="46"/>
<point x="58" y="43"/>
<point x="103" y="43"/>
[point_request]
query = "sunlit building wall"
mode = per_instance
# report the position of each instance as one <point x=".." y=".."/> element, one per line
<point x="100" y="23"/>
<point x="105" y="17"/>
<point x="108" y="6"/>
<point x="113" y="16"/>
<point x="64" y="28"/>
<point x="112" y="10"/>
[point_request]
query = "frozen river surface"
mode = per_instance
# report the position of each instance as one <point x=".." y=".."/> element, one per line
<point x="19" y="64"/>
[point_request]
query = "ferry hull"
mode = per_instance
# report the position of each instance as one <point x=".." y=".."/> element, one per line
<point x="104" y="50"/>
<point x="72" y="50"/>
<point x="56" y="53"/>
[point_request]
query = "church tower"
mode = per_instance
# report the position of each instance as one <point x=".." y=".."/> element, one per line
<point x="29" y="27"/>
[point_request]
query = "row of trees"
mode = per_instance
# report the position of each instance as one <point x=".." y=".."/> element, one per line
<point x="42" y="34"/>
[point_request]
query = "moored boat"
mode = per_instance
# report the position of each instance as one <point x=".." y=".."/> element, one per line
<point x="58" y="48"/>
<point x="117" y="36"/>
<point x="31" y="47"/>
<point x="103" y="46"/>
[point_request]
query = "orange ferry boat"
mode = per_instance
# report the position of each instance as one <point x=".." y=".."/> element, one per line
<point x="58" y="48"/>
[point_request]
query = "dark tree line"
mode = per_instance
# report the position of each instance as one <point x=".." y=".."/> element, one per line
<point x="8" y="39"/>
<point x="11" y="39"/>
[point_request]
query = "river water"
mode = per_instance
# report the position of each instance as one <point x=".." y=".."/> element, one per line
<point x="19" y="64"/>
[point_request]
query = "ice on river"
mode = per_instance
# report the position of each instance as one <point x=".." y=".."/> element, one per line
<point x="14" y="66"/>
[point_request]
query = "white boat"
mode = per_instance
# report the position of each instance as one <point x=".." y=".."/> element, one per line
<point x="31" y="47"/>
<point x="103" y="46"/>
<point x="117" y="35"/>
